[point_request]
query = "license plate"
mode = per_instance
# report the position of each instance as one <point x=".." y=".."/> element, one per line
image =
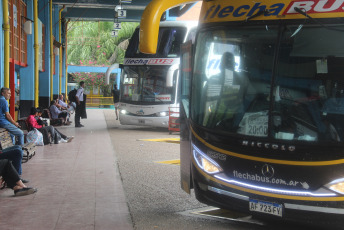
<point x="266" y="207"/>
<point x="141" y="121"/>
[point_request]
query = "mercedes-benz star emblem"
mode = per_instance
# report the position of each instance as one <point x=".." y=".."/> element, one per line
<point x="268" y="171"/>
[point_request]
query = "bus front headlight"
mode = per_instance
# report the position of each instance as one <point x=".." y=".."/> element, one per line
<point x="162" y="114"/>
<point x="204" y="162"/>
<point x="123" y="111"/>
<point x="336" y="186"/>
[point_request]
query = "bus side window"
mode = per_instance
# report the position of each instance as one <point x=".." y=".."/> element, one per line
<point x="185" y="76"/>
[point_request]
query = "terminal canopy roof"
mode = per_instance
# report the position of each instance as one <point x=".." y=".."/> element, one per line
<point x="104" y="10"/>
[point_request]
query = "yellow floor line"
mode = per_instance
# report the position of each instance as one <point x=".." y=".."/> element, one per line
<point x="167" y="140"/>
<point x="170" y="162"/>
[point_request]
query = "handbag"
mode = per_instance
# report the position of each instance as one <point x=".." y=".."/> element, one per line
<point x="35" y="136"/>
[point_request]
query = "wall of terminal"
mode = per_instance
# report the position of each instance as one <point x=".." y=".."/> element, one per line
<point x="24" y="54"/>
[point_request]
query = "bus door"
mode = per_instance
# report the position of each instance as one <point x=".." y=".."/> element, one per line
<point x="185" y="133"/>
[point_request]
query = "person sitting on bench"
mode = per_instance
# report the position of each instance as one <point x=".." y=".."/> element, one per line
<point x="45" y="130"/>
<point x="57" y="113"/>
<point x="15" y="155"/>
<point x="6" y="120"/>
<point x="64" y="105"/>
<point x="12" y="179"/>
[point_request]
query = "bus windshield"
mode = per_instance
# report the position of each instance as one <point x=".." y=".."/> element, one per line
<point x="240" y="88"/>
<point x="147" y="84"/>
<point x="169" y="39"/>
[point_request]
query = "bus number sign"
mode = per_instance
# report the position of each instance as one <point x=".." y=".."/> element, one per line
<point x="257" y="125"/>
<point x="117" y="26"/>
<point x="121" y="14"/>
<point x="114" y="33"/>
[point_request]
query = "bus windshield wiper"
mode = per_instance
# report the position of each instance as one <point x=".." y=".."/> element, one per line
<point x="304" y="13"/>
<point x="259" y="13"/>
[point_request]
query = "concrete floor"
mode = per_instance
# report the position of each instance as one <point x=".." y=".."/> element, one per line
<point x="79" y="186"/>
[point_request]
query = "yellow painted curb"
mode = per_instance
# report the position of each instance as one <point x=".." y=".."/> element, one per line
<point x="167" y="140"/>
<point x="171" y="162"/>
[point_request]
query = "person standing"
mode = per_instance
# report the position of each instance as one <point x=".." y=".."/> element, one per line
<point x="116" y="94"/>
<point x="80" y="105"/>
<point x="6" y="120"/>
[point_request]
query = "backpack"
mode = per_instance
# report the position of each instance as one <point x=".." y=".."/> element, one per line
<point x="71" y="95"/>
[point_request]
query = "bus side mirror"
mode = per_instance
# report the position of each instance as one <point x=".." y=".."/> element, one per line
<point x="170" y="74"/>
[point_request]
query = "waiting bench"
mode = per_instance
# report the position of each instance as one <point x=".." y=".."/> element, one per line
<point x="29" y="149"/>
<point x="54" y="122"/>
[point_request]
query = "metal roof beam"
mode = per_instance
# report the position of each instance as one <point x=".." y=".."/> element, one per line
<point x="102" y="15"/>
<point x="98" y="3"/>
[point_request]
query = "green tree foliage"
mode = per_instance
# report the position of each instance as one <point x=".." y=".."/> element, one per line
<point x="90" y="43"/>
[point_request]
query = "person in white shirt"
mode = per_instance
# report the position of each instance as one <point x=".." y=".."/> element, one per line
<point x="64" y="105"/>
<point x="79" y="104"/>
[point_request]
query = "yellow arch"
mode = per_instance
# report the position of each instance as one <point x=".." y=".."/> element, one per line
<point x="149" y="27"/>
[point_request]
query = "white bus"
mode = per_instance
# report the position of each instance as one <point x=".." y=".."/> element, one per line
<point x="149" y="82"/>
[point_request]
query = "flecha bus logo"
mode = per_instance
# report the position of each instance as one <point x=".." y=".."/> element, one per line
<point x="149" y="61"/>
<point x="160" y="61"/>
<point x="316" y="6"/>
<point x="224" y="11"/>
